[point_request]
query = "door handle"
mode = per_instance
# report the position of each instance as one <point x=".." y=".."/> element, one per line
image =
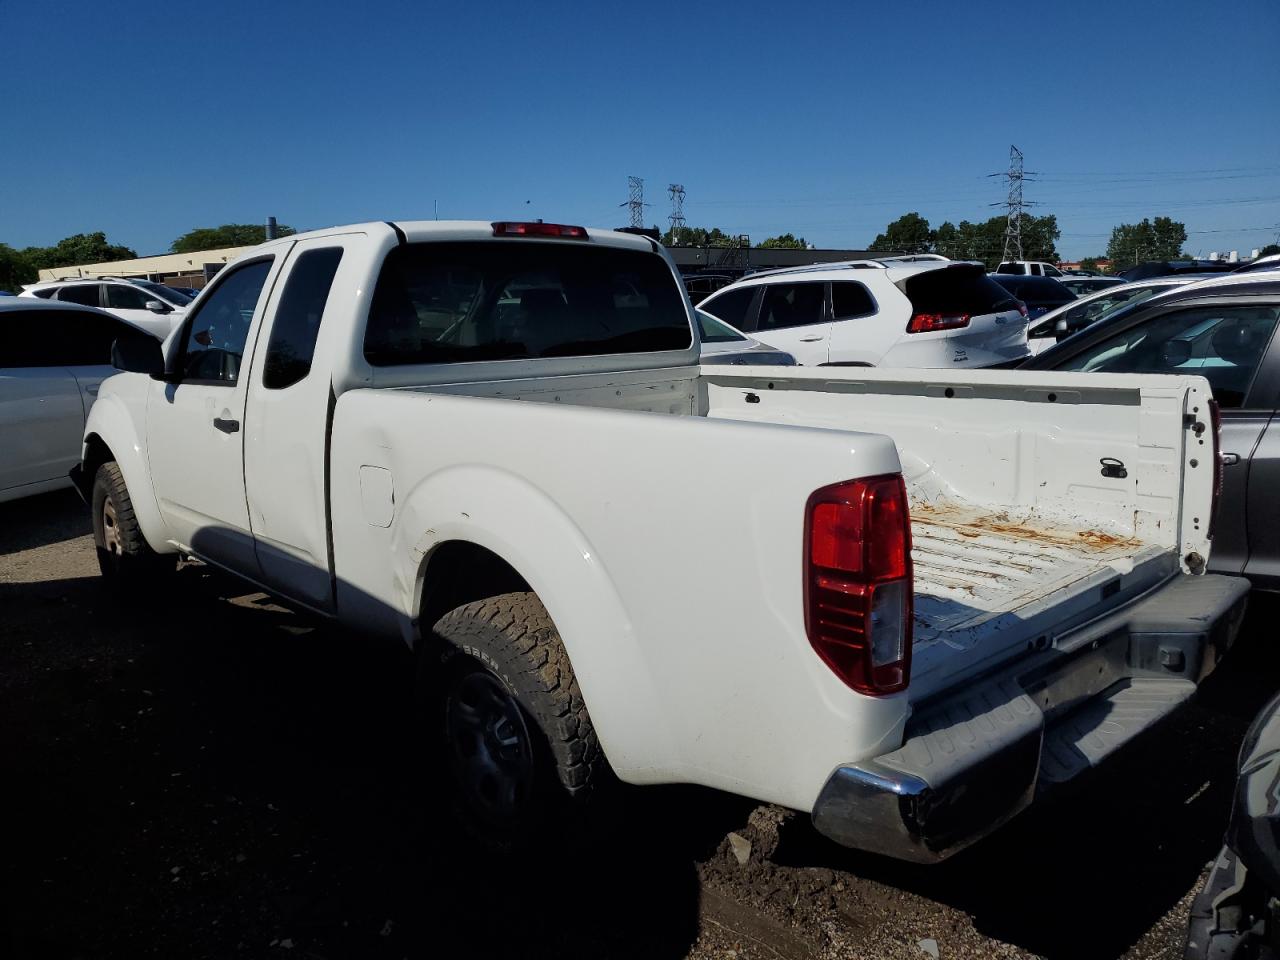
<point x="811" y="339"/>
<point x="92" y="390"/>
<point x="1229" y="459"/>
<point x="226" y="426"/>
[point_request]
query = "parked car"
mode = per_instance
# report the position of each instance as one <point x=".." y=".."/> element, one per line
<point x="1271" y="262"/>
<point x="1038" y="294"/>
<point x="53" y="356"/>
<point x="891" y="312"/>
<point x="1224" y="330"/>
<point x="1172" y="268"/>
<point x="432" y="431"/>
<point x="1072" y="317"/>
<point x="1236" y="915"/>
<point x="721" y="344"/>
<point x="1083" y="286"/>
<point x="1029" y="268"/>
<point x="702" y="285"/>
<point x="144" y="303"/>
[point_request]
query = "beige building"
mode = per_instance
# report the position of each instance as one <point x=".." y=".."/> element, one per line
<point x="175" y="269"/>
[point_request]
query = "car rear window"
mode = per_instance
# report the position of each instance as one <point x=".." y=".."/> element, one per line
<point x="512" y="300"/>
<point x="961" y="289"/>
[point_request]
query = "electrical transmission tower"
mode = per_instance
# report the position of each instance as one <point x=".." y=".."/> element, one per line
<point x="676" y="190"/>
<point x="1015" y="204"/>
<point x="635" y="186"/>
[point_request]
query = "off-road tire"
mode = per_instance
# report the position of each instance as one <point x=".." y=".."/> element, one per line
<point x="124" y="556"/>
<point x="509" y="643"/>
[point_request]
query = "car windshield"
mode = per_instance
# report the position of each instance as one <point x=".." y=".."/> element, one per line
<point x="1224" y="344"/>
<point x="712" y="330"/>
<point x="167" y="293"/>
<point x="1085" y="314"/>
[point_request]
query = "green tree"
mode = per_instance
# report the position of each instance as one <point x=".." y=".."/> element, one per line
<point x="698" y="237"/>
<point x="15" y="269"/>
<point x="1269" y="249"/>
<point x="76" y="250"/>
<point x="1090" y="264"/>
<point x="910" y="233"/>
<point x="786" y="241"/>
<point x="227" y="235"/>
<point x="1158" y="239"/>
<point x="985" y="241"/>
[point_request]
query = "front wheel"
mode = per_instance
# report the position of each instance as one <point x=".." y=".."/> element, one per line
<point x="124" y="556"/>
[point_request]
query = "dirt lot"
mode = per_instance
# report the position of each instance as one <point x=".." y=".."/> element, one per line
<point x="209" y="775"/>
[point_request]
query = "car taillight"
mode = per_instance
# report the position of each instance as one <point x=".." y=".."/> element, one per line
<point x="858" y="586"/>
<point x="1215" y="424"/>
<point x="512" y="228"/>
<point x="929" y="322"/>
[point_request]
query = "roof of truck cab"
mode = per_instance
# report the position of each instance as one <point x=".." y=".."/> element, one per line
<point x="421" y="231"/>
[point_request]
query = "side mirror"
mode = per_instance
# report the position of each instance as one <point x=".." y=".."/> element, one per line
<point x="1060" y="327"/>
<point x="156" y="306"/>
<point x="138" y="355"/>
<point x="1176" y="352"/>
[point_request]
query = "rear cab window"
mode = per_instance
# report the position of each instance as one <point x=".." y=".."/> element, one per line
<point x="474" y="301"/>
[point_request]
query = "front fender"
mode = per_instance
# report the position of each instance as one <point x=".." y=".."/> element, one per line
<point x="515" y="520"/>
<point x="118" y="419"/>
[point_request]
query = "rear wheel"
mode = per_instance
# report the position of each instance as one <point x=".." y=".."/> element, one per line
<point x="124" y="556"/>
<point x="518" y="741"/>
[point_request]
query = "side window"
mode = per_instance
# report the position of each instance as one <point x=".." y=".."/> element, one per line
<point x="122" y="296"/>
<point x="850" y="299"/>
<point x="792" y="305"/>
<point x="90" y="335"/>
<point x="297" y="320"/>
<point x="1224" y="345"/>
<point x="82" y="293"/>
<point x="732" y="305"/>
<point x="61" y="338"/>
<point x="214" y="337"/>
<point x="45" y="294"/>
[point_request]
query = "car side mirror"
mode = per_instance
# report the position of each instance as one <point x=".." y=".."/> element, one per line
<point x="156" y="306"/>
<point x="138" y="355"/>
<point x="1176" y="352"/>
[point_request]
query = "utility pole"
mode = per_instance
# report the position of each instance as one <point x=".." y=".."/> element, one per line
<point x="676" y="190"/>
<point x="1015" y="205"/>
<point x="635" y="186"/>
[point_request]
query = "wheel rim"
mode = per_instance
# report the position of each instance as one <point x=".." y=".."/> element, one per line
<point x="490" y="745"/>
<point x="110" y="528"/>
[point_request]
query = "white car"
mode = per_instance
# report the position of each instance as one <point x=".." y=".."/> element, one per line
<point x="1029" y="268"/>
<point x="1075" y="316"/>
<point x="923" y="311"/>
<point x="52" y="358"/>
<point x="721" y="344"/>
<point x="144" y="303"/>
<point x="908" y="602"/>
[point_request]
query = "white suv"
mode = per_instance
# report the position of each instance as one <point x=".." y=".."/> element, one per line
<point x="922" y="311"/>
<point x="144" y="303"/>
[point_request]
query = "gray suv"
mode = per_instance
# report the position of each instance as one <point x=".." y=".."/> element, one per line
<point x="1224" y="330"/>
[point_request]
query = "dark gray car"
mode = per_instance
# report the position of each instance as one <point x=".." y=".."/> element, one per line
<point x="1223" y="330"/>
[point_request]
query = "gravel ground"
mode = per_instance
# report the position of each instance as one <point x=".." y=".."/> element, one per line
<point x="209" y="775"/>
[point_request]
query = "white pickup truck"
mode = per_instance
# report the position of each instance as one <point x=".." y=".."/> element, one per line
<point x="904" y="602"/>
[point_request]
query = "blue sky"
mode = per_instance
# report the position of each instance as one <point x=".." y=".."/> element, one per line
<point x="822" y="119"/>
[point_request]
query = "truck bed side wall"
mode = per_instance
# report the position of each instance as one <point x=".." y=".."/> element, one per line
<point x="667" y="550"/>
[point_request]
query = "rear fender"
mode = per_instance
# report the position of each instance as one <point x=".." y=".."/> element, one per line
<point x="513" y="519"/>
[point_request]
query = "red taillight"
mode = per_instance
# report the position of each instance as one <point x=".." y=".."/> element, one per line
<point x="929" y="322"/>
<point x="1215" y="424"/>
<point x="857" y="590"/>
<point x="513" y="228"/>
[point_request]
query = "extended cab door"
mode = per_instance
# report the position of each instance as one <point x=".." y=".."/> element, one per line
<point x="288" y="415"/>
<point x="194" y="424"/>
